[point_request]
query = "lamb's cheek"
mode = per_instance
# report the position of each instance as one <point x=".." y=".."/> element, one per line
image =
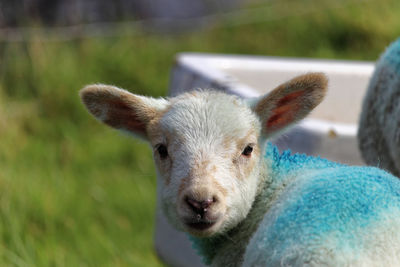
<point x="238" y="202"/>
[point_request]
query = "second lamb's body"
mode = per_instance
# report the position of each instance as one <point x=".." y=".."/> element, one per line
<point x="379" y="129"/>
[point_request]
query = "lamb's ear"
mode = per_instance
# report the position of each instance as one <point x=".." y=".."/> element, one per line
<point x="290" y="102"/>
<point x="121" y="109"/>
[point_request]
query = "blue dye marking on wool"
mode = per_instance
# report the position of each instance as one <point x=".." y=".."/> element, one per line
<point x="324" y="198"/>
<point x="285" y="163"/>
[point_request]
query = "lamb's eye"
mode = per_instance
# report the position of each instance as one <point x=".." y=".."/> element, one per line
<point x="162" y="150"/>
<point x="247" y="151"/>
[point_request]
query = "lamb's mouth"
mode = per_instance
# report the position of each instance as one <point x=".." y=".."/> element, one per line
<point x="203" y="225"/>
<point x="200" y="225"/>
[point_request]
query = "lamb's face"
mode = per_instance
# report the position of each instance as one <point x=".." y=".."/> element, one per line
<point x="207" y="154"/>
<point x="206" y="144"/>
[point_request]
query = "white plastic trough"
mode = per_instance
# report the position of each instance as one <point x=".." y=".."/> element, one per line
<point x="329" y="132"/>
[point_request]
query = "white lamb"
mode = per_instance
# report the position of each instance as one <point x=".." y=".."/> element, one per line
<point x="241" y="201"/>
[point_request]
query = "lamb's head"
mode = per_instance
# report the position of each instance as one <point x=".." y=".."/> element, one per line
<point x="207" y="145"/>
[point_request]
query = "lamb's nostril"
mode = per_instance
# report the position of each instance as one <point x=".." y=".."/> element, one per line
<point x="207" y="203"/>
<point x="199" y="207"/>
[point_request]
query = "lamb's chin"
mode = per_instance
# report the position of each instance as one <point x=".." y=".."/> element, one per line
<point x="203" y="229"/>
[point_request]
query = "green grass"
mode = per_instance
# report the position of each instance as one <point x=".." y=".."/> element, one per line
<point x="75" y="193"/>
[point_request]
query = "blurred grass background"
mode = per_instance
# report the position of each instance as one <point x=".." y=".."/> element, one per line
<point x="75" y="193"/>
